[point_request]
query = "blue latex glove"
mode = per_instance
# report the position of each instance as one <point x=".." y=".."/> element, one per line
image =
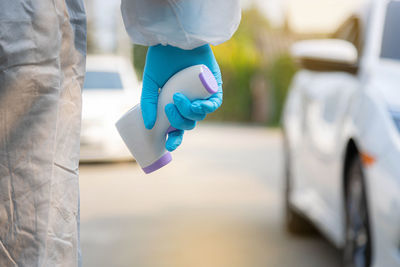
<point x="162" y="62"/>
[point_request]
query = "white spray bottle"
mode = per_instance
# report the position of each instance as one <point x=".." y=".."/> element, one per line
<point x="148" y="146"/>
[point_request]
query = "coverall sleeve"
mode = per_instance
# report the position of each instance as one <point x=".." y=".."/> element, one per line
<point x="186" y="24"/>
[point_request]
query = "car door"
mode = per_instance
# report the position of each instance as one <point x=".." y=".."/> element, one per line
<point x="326" y="103"/>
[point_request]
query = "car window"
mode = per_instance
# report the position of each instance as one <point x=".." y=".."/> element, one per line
<point x="350" y="31"/>
<point x="391" y="32"/>
<point x="103" y="80"/>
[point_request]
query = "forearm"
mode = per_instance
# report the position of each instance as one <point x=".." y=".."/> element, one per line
<point x="185" y="24"/>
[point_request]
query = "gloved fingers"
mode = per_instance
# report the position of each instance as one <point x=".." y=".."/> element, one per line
<point x="177" y="120"/>
<point x="216" y="71"/>
<point x="209" y="105"/>
<point x="148" y="101"/>
<point x="174" y="140"/>
<point x="183" y="105"/>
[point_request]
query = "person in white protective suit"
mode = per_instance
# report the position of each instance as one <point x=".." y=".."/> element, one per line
<point x="42" y="65"/>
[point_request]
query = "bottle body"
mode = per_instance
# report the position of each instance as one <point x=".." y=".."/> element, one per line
<point x="148" y="146"/>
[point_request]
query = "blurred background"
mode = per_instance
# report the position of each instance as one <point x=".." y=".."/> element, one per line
<point x="221" y="202"/>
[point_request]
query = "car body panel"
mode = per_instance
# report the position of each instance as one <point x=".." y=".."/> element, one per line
<point x="315" y="148"/>
<point x="324" y="112"/>
<point x="385" y="207"/>
<point x="102" y="107"/>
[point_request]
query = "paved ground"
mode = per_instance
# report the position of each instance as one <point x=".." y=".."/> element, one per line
<point x="218" y="204"/>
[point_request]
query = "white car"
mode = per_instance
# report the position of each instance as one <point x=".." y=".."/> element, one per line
<point x="111" y="88"/>
<point x="342" y="137"/>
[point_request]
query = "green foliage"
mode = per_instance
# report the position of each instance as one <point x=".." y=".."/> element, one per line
<point x="280" y="76"/>
<point x="239" y="59"/>
<point x="139" y="59"/>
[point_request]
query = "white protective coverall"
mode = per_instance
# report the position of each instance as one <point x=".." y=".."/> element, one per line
<point x="42" y="62"/>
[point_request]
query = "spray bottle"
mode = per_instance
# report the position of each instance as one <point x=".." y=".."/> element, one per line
<point x="148" y="146"/>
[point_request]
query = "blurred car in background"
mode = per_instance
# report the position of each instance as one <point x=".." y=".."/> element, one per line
<point x="342" y="137"/>
<point x="111" y="88"/>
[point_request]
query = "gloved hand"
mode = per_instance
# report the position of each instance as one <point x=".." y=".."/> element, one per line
<point x="162" y="62"/>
